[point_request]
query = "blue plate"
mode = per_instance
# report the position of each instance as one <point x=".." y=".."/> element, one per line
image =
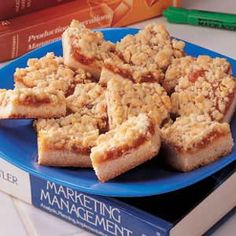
<point x="18" y="145"/>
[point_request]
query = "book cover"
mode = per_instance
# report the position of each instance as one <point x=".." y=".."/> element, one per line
<point x="24" y="33"/>
<point x="13" y="8"/>
<point x="177" y="213"/>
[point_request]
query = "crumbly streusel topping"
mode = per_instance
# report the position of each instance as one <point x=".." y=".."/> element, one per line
<point x="135" y="73"/>
<point x="4" y="97"/>
<point x="149" y="47"/>
<point x="32" y="96"/>
<point x="177" y="68"/>
<point x="178" y="47"/>
<point x="49" y="71"/>
<point x="183" y="66"/>
<point x="189" y="132"/>
<point x="89" y="99"/>
<point x="204" y="92"/>
<point x="126" y="99"/>
<point x="147" y="54"/>
<point x="73" y="132"/>
<point x="124" y="137"/>
<point x="82" y="77"/>
<point x="89" y="43"/>
<point x="144" y="56"/>
<point x="46" y="71"/>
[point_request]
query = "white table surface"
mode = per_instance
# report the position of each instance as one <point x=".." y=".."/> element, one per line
<point x="18" y="218"/>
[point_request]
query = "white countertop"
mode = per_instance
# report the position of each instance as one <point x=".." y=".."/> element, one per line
<point x="18" y="218"/>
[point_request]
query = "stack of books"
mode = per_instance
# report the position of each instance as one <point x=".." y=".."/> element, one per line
<point x="28" y="24"/>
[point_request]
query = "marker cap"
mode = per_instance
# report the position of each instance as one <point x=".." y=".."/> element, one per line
<point x="176" y="15"/>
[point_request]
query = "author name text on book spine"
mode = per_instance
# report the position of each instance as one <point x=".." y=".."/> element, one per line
<point x="8" y="177"/>
<point x="14" y="181"/>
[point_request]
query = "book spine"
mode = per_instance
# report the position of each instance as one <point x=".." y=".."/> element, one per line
<point x="9" y="46"/>
<point x="13" y="8"/>
<point x="100" y="215"/>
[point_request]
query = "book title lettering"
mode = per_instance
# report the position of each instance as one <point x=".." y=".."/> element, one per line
<point x="84" y="208"/>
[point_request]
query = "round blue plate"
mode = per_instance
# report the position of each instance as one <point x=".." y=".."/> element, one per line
<point x="18" y="145"/>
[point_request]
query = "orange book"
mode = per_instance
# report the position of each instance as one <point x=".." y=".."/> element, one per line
<point x="24" y="33"/>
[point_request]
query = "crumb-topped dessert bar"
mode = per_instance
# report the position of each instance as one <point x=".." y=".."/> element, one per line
<point x="49" y="71"/>
<point x="195" y="141"/>
<point x="66" y="141"/>
<point x="125" y="147"/>
<point x="31" y="103"/>
<point x="192" y="67"/>
<point x="101" y="105"/>
<point x="86" y="49"/>
<point x="205" y="91"/>
<point x="125" y="99"/>
<point x="89" y="99"/>
<point x="144" y="56"/>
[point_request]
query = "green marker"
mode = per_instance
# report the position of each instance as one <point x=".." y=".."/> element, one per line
<point x="202" y="18"/>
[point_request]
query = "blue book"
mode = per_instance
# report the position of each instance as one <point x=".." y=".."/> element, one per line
<point x="194" y="208"/>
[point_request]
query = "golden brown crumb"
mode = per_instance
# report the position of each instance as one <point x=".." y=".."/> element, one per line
<point x="204" y="92"/>
<point x="126" y="99"/>
<point x="194" y="131"/>
<point x="134" y="73"/>
<point x="145" y="55"/>
<point x="35" y="96"/>
<point x="89" y="99"/>
<point x="128" y="135"/>
<point x="88" y="45"/>
<point x="4" y="97"/>
<point x="49" y="71"/>
<point x="186" y="65"/>
<point x="178" y="47"/>
<point x="178" y="68"/>
<point x="74" y="132"/>
<point x="150" y="47"/>
<point x="83" y="77"/>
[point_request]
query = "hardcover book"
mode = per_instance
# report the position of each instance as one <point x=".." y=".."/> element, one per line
<point x="24" y="33"/>
<point x="192" y="209"/>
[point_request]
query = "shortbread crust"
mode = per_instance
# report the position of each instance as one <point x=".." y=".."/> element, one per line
<point x="195" y="140"/>
<point x="31" y="103"/>
<point x="125" y="147"/>
<point x="69" y="137"/>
